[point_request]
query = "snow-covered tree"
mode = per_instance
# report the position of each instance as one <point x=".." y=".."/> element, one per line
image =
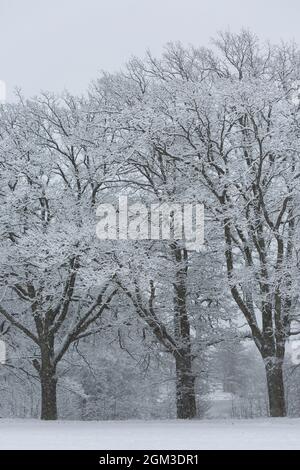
<point x="55" y="276"/>
<point x="230" y="122"/>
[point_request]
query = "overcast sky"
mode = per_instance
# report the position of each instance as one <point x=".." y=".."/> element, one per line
<point x="57" y="44"/>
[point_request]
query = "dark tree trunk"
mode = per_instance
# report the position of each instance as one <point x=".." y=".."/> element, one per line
<point x="275" y="385"/>
<point x="47" y="372"/>
<point x="48" y="393"/>
<point x="185" y="378"/>
<point x="185" y="389"/>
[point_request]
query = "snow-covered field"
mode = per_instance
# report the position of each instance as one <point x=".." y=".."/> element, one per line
<point x="212" y="434"/>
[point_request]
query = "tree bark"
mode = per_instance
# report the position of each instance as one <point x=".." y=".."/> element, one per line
<point x="185" y="378"/>
<point x="185" y="389"/>
<point x="275" y="384"/>
<point x="47" y="372"/>
<point x="48" y="394"/>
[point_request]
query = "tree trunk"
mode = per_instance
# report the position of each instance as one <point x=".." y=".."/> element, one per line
<point x="275" y="385"/>
<point x="48" y="393"/>
<point x="185" y="379"/>
<point x="185" y="389"/>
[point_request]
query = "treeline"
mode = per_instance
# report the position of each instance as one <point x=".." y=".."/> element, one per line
<point x="142" y="328"/>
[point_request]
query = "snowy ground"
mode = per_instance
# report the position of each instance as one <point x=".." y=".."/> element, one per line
<point x="212" y="434"/>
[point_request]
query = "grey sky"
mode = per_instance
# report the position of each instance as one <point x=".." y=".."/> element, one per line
<point x="59" y="44"/>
